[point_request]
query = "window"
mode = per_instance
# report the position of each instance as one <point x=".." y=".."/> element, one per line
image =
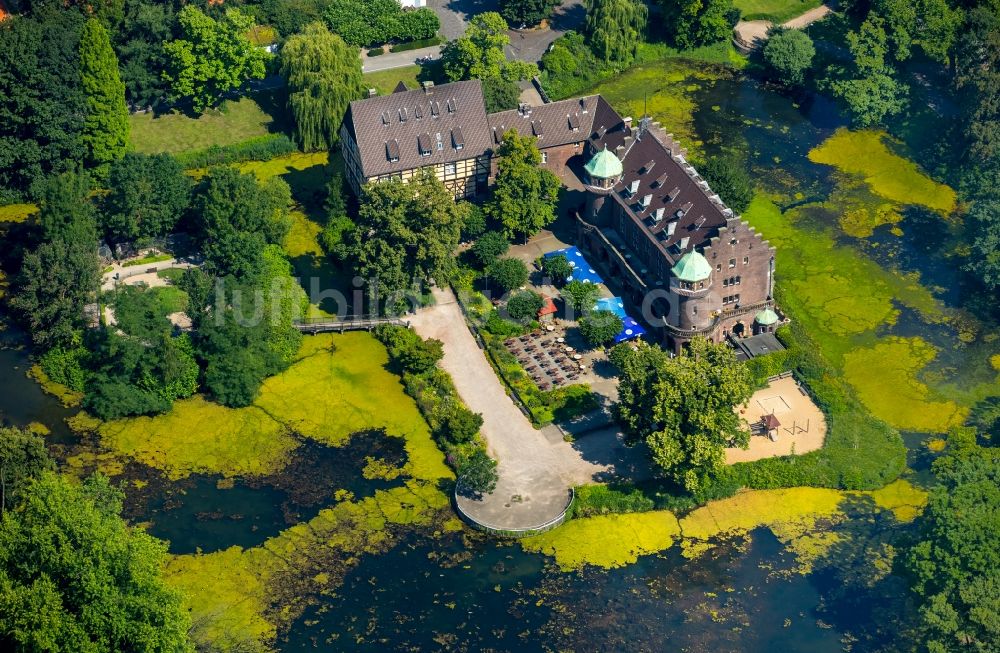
<point x="718" y="267"/>
<point x="725" y="283"/>
<point x="450" y="169"/>
<point x="545" y="157"/>
<point x="733" y="241"/>
<point x="737" y="281"/>
<point x="746" y="260"/>
<point x="732" y="263"/>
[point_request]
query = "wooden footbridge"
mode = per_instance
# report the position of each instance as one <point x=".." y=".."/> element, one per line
<point x="314" y="325"/>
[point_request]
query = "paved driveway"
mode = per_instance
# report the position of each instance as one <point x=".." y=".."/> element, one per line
<point x="536" y="467"/>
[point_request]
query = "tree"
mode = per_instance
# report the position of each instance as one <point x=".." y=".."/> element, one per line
<point x="729" y="178"/>
<point x="508" y="273"/>
<point x="75" y="576"/>
<point x="405" y="233"/>
<point x="148" y="194"/>
<point x="141" y="57"/>
<point x="475" y="222"/>
<point x="983" y="222"/>
<point x="789" y="54"/>
<point x="524" y="306"/>
<point x="930" y="25"/>
<point x="600" y="327"/>
<point x="614" y="28"/>
<point x="977" y="76"/>
<point x="500" y="94"/>
<point x="237" y="217"/>
<point x="41" y="100"/>
<point x="59" y="277"/>
<point x="23" y="458"/>
<point x="414" y="354"/>
<point x="683" y="407"/>
<point x="489" y="247"/>
<point x="693" y="23"/>
<point x="869" y="90"/>
<point x="955" y="564"/>
<point x="580" y="296"/>
<point x="526" y="12"/>
<point x="557" y="268"/>
<point x="105" y="127"/>
<point x="524" y="195"/>
<point x="477" y="473"/>
<point x="211" y="57"/>
<point x="323" y="75"/>
<point x="479" y="54"/>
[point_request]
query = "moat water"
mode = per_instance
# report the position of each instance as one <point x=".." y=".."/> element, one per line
<point x="464" y="592"/>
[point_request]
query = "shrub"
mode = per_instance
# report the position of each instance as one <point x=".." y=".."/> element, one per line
<point x="600" y="327"/>
<point x="409" y="350"/>
<point x="490" y="246"/>
<point x="606" y="499"/>
<point x="475" y="223"/>
<point x="261" y="148"/>
<point x="66" y="366"/>
<point x="557" y="268"/>
<point x="508" y="273"/>
<point x="789" y="54"/>
<point x="461" y="425"/>
<point x="496" y="325"/>
<point x="524" y="306"/>
<point x="477" y="473"/>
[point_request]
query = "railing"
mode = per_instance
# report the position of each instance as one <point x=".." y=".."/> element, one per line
<point x="348" y="323"/>
<point x="516" y="532"/>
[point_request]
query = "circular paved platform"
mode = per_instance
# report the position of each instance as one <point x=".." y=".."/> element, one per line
<point x="518" y="506"/>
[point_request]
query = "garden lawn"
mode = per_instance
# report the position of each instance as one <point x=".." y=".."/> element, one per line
<point x="384" y="81"/>
<point x="776" y="11"/>
<point x="235" y="122"/>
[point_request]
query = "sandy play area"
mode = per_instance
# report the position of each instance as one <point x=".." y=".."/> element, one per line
<point x="798" y="423"/>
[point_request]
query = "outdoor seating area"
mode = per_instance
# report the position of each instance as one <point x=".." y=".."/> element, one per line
<point x="547" y="359"/>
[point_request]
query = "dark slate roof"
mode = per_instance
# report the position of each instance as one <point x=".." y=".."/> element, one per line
<point x="450" y="114"/>
<point x="658" y="186"/>
<point x="552" y="124"/>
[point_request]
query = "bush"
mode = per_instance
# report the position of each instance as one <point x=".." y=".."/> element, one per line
<point x="508" y="273"/>
<point x="477" y="473"/>
<point x="66" y="366"/>
<point x="524" y="306"/>
<point x="414" y="354"/>
<point x="610" y="499"/>
<point x="461" y="425"/>
<point x="557" y="268"/>
<point x="416" y="45"/>
<point x="490" y="246"/>
<point x="789" y="54"/>
<point x="261" y="148"/>
<point x="475" y="223"/>
<point x="600" y="327"/>
<point x="496" y="325"/>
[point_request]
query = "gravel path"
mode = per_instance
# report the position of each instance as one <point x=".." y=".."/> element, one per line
<point x="749" y="34"/>
<point x="536" y="467"/>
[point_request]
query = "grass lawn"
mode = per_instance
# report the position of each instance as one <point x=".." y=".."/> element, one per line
<point x="776" y="11"/>
<point x="175" y="132"/>
<point x="145" y="260"/>
<point x="385" y="80"/>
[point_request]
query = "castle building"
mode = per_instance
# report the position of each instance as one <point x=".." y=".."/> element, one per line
<point x="668" y="244"/>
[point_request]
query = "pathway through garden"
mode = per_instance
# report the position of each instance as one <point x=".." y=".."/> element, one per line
<point x="749" y="34"/>
<point x="536" y="467"/>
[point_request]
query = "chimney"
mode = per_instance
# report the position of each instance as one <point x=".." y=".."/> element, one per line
<point x="428" y="87"/>
<point x="372" y="92"/>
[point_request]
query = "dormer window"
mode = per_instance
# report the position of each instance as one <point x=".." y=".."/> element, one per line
<point x="402" y="114"/>
<point x="435" y="108"/>
<point x="392" y="150"/>
<point x="424" y="144"/>
<point x="418" y="112"/>
<point x="451" y="105"/>
<point x="536" y="128"/>
<point x="440" y="143"/>
<point x="457" y="138"/>
<point x="574" y="122"/>
<point x="633" y="187"/>
<point x="385" y="118"/>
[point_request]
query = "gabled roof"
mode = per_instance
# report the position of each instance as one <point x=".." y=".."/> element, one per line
<point x="553" y="124"/>
<point x="450" y="118"/>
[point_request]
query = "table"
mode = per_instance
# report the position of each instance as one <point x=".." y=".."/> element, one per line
<point x="560" y="339"/>
<point x="577" y="356"/>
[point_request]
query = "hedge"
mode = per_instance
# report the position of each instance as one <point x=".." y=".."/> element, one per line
<point x="262" y="148"/>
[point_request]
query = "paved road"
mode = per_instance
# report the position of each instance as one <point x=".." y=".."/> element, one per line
<point x="397" y="59"/>
<point x="536" y="467"/>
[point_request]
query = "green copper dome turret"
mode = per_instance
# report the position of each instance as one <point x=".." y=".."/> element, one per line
<point x="767" y="317"/>
<point x="604" y="165"/>
<point x="692" y="267"/>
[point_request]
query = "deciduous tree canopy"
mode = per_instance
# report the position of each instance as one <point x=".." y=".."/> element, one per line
<point x="147" y="195"/>
<point x="323" y="75"/>
<point x="525" y="195"/>
<point x="682" y="407"/>
<point x="615" y="28"/>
